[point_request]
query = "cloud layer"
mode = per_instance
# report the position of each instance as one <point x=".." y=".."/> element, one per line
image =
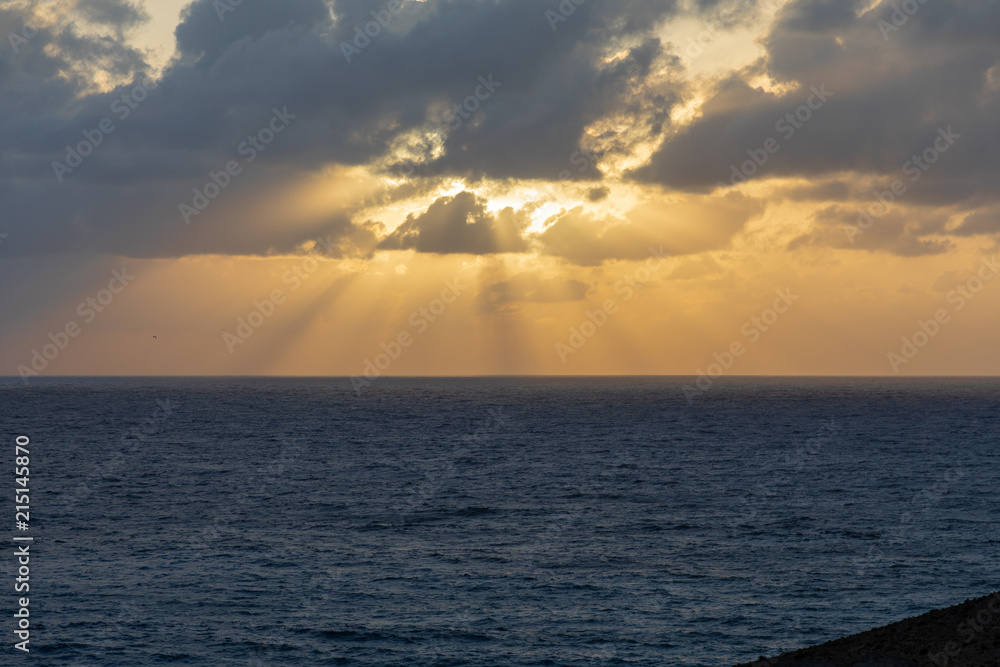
<point x="842" y="94"/>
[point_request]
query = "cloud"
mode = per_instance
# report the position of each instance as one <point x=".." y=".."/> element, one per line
<point x="695" y="268"/>
<point x="231" y="71"/>
<point x="531" y="287"/>
<point x="120" y="14"/>
<point x="824" y="191"/>
<point x="601" y="82"/>
<point x="536" y="121"/>
<point x="204" y="30"/>
<point x="598" y="194"/>
<point x="44" y="75"/>
<point x="899" y="232"/>
<point x="680" y="228"/>
<point x="460" y="224"/>
<point x="890" y="96"/>
<point x="981" y="222"/>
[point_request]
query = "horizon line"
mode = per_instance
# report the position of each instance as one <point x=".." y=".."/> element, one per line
<point x="494" y="376"/>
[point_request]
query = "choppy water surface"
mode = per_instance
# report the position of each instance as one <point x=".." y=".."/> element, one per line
<point x="497" y="521"/>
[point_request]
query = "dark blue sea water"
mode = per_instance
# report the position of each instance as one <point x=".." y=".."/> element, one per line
<point x="494" y="521"/>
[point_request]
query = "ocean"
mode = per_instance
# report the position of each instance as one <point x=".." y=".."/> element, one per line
<point x="494" y="521"/>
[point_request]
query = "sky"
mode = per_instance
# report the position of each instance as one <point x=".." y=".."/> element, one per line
<point x="482" y="187"/>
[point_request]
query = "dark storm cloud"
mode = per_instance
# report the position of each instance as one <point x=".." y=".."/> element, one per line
<point x="819" y="16"/>
<point x="535" y="122"/>
<point x="205" y="30"/>
<point x="232" y="71"/>
<point x="460" y="224"/>
<point x="891" y="94"/>
<point x="892" y="91"/>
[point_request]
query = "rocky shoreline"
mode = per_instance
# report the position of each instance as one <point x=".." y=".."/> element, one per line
<point x="963" y="635"/>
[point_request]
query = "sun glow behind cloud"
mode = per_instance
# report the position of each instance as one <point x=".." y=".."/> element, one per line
<point x="601" y="148"/>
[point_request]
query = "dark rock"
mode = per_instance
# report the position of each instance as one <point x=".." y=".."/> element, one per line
<point x="964" y="635"/>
